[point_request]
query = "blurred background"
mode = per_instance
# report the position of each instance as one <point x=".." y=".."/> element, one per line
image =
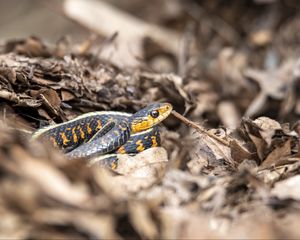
<point x="221" y="63"/>
<point x="225" y="50"/>
<point x="20" y="19"/>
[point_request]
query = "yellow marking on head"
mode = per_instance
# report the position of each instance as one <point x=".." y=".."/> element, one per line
<point x="99" y="125"/>
<point x="154" y="141"/>
<point x="147" y="124"/>
<point x="53" y="141"/>
<point x="140" y="147"/>
<point x="88" y="128"/>
<point x="82" y="135"/>
<point x="141" y="124"/>
<point x="121" y="150"/>
<point x="164" y="111"/>
<point x="68" y="129"/>
<point x="75" y="138"/>
<point x="135" y="127"/>
<point x="64" y="138"/>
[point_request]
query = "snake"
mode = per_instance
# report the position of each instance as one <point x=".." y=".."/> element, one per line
<point x="107" y="133"/>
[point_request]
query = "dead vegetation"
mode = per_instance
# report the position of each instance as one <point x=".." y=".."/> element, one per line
<point x="228" y="169"/>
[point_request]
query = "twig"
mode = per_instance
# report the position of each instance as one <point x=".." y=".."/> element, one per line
<point x="199" y="128"/>
<point x="48" y="105"/>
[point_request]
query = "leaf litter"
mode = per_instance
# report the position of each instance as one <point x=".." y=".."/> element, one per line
<point x="229" y="161"/>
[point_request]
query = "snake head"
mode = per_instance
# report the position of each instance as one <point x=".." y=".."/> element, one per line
<point x="150" y="116"/>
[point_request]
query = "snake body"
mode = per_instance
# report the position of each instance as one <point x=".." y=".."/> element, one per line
<point x="98" y="133"/>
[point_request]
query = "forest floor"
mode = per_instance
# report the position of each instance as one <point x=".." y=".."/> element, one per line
<point x="227" y="169"/>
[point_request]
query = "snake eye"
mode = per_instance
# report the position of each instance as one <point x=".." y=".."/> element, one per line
<point x="154" y="113"/>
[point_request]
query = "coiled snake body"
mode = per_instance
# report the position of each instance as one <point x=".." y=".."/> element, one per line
<point x="98" y="133"/>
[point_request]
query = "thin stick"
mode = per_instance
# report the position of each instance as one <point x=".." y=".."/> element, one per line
<point x="199" y="128"/>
